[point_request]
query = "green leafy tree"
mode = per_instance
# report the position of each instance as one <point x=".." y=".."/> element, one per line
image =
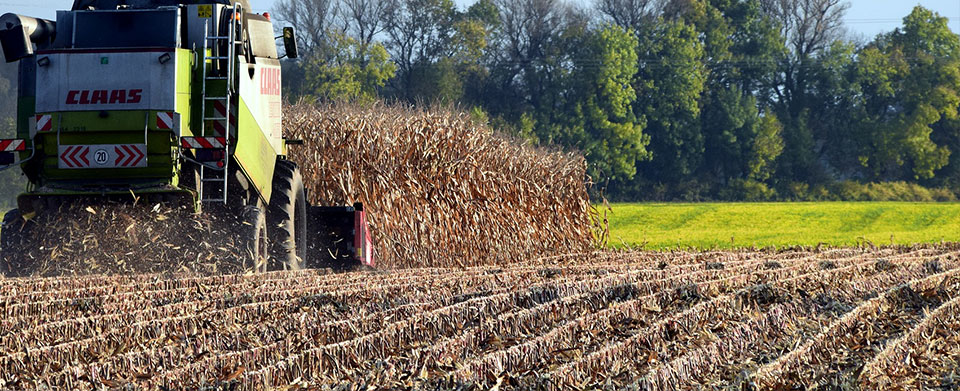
<point x="833" y="112"/>
<point x="911" y="82"/>
<point x="600" y="118"/>
<point x="728" y="119"/>
<point x="704" y="118"/>
<point x="766" y="147"/>
<point x="348" y="70"/>
<point x="741" y="46"/>
<point x="809" y="29"/>
<point x="671" y="80"/>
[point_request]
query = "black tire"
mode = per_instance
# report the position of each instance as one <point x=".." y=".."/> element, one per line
<point x="13" y="258"/>
<point x="288" y="218"/>
<point x="256" y="243"/>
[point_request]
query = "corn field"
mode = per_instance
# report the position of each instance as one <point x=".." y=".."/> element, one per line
<point x="832" y="319"/>
<point x="439" y="189"/>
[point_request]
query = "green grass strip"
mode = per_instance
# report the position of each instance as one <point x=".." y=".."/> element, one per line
<point x="740" y="225"/>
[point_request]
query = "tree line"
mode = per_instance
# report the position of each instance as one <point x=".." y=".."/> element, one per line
<point x="667" y="99"/>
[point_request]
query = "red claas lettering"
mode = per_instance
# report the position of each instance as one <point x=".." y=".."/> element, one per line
<point x="103" y="97"/>
<point x="99" y="97"/>
<point x="72" y="97"/>
<point x="270" y="81"/>
<point x="118" y="96"/>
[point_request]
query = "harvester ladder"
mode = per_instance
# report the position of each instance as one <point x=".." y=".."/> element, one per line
<point x="212" y="187"/>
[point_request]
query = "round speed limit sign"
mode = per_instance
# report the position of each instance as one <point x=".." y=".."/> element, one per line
<point x="101" y="157"/>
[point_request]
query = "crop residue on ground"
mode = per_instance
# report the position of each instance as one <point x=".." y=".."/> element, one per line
<point x="661" y="321"/>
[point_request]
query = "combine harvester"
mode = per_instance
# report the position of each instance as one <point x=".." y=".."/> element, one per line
<point x="172" y="102"/>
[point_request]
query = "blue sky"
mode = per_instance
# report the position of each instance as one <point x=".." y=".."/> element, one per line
<point x="866" y="17"/>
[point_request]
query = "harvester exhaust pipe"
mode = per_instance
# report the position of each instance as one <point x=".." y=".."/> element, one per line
<point x="19" y="33"/>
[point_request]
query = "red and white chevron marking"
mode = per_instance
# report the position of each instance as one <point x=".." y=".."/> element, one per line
<point x="203" y="142"/>
<point x="44" y="122"/>
<point x="220" y="127"/>
<point x="103" y="156"/>
<point x="165" y="120"/>
<point x="129" y="155"/>
<point x="12" y="145"/>
<point x="74" y="156"/>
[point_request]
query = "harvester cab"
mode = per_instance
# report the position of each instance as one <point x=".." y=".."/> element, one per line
<point x="171" y="101"/>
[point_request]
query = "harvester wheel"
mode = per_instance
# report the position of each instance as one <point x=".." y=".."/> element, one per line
<point x="288" y="217"/>
<point x="256" y="242"/>
<point x="13" y="258"/>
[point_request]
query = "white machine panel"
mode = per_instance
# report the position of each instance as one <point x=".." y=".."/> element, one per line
<point x="95" y="80"/>
<point x="261" y="93"/>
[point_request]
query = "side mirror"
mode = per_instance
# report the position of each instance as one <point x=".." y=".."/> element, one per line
<point x="289" y="42"/>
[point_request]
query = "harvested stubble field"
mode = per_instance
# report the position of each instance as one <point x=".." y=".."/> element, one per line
<point x="833" y="319"/>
